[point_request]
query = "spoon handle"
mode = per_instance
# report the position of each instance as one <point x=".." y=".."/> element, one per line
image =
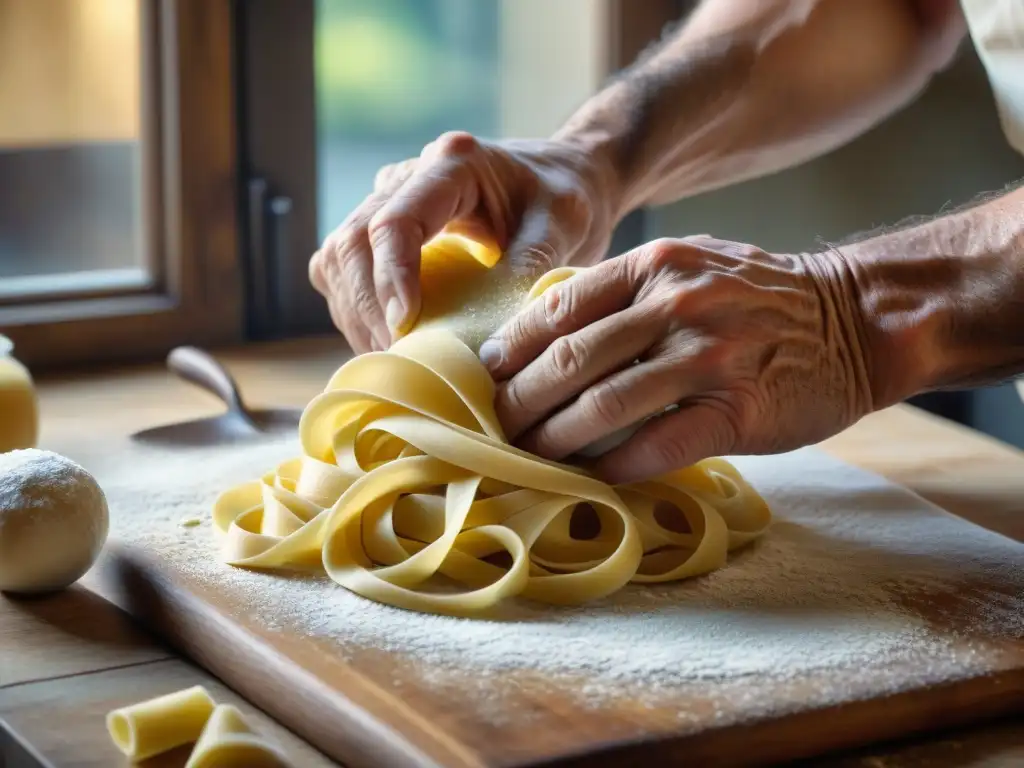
<point x="202" y="369"/>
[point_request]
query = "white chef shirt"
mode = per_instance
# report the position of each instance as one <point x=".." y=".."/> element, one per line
<point x="997" y="28"/>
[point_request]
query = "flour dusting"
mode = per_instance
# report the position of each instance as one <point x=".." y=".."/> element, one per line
<point x="851" y="576"/>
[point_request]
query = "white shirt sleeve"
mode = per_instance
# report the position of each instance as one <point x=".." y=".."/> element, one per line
<point x="997" y="27"/>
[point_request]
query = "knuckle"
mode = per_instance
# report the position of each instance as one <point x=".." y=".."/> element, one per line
<point x="346" y="252"/>
<point x="381" y="222"/>
<point x="393" y="175"/>
<point x="713" y="358"/>
<point x="456" y="143"/>
<point x="558" y="305"/>
<point x="345" y="239"/>
<point x="384" y="226"/>
<point x="663" y="253"/>
<point x="384" y="176"/>
<point x="568" y="356"/>
<point x="749" y="251"/>
<point x="511" y="400"/>
<point x="605" y="403"/>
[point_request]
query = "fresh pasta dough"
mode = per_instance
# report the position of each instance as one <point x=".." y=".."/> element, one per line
<point x="53" y="521"/>
<point x="406" y="476"/>
<point x="227" y="741"/>
<point x="222" y="736"/>
<point x="157" y="725"/>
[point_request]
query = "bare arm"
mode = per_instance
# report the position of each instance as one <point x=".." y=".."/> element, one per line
<point x="747" y="87"/>
<point x="743" y="88"/>
<point x="942" y="303"/>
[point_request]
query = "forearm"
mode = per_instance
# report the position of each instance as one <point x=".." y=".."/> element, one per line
<point x="942" y="304"/>
<point x="747" y="87"/>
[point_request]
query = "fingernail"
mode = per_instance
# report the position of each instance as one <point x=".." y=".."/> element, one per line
<point x="394" y="315"/>
<point x="492" y="354"/>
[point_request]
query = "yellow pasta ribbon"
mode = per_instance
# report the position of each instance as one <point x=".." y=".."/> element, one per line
<point x="406" y="476"/>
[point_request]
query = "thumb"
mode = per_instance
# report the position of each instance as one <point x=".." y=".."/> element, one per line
<point x="677" y="439"/>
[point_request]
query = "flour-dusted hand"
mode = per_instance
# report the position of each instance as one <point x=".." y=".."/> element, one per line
<point x="544" y="203"/>
<point x="760" y="353"/>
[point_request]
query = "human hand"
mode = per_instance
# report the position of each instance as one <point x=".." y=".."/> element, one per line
<point x="753" y="352"/>
<point x="543" y="203"/>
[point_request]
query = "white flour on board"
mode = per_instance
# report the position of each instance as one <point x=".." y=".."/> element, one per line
<point x="831" y="586"/>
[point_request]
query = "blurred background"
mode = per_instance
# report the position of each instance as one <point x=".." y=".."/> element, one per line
<point x="390" y="75"/>
<point x="168" y="166"/>
<point x="441" y="69"/>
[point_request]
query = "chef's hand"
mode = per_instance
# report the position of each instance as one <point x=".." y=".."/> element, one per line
<point x="760" y="352"/>
<point x="544" y="203"/>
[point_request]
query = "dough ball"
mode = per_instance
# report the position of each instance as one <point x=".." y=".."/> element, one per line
<point x="53" y="521"/>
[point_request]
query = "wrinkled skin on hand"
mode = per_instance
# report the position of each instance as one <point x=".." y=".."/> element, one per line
<point x="754" y="352"/>
<point x="543" y="203"/>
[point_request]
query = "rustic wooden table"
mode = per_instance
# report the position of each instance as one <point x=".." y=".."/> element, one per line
<point x="66" y="660"/>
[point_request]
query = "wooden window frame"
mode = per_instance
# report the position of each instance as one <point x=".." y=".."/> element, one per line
<point x="190" y="222"/>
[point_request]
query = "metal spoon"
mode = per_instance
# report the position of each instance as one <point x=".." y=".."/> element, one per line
<point x="239" y="422"/>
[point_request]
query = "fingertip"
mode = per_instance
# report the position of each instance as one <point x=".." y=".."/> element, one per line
<point x="401" y="309"/>
<point x="396" y="277"/>
<point x="394" y="315"/>
<point x="492" y="354"/>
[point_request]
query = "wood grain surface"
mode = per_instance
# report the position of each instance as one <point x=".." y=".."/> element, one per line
<point x="67" y="659"/>
<point x="63" y="719"/>
<point x="49" y="636"/>
<point x="353" y="708"/>
<point x="368" y="708"/>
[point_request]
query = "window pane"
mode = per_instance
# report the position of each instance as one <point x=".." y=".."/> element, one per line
<point x="390" y="76"/>
<point x="70" y="203"/>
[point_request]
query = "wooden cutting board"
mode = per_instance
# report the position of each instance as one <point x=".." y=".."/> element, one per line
<point x="379" y="705"/>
